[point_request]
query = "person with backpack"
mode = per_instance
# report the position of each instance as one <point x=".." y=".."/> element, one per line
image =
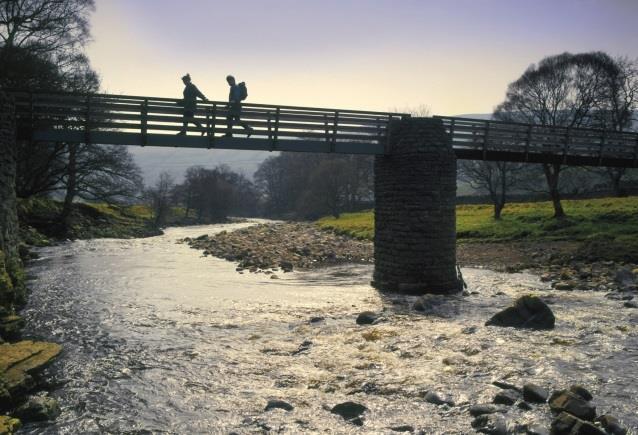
<point x="190" y="104"/>
<point x="238" y="93"/>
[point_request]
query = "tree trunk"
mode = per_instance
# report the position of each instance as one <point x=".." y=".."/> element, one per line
<point x="498" y="208"/>
<point x="615" y="176"/>
<point x="71" y="186"/>
<point x="552" y="173"/>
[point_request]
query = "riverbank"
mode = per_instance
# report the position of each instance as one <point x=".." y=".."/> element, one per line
<point x="40" y="221"/>
<point x="283" y="247"/>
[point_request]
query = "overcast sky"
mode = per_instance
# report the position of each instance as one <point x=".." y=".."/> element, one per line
<point x="456" y="56"/>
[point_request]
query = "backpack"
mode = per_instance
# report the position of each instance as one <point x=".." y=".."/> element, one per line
<point x="243" y="91"/>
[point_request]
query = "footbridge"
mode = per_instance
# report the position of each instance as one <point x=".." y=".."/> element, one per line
<point x="415" y="163"/>
<point x="154" y="121"/>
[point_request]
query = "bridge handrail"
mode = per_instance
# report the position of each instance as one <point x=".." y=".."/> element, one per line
<point x="202" y="103"/>
<point x="493" y="140"/>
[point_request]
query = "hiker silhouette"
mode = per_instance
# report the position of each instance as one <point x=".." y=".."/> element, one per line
<point x="235" y="96"/>
<point x="191" y="93"/>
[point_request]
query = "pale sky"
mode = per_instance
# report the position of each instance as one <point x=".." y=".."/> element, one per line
<point x="455" y="56"/>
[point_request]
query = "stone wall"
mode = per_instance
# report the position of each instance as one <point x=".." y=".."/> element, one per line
<point x="11" y="279"/>
<point x="415" y="217"/>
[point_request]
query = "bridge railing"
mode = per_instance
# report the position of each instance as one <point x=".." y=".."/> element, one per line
<point x="164" y="116"/>
<point x="496" y="140"/>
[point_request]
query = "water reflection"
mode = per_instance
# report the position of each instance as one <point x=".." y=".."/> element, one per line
<point x="161" y="340"/>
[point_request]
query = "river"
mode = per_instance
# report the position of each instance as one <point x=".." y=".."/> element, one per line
<point x="159" y="339"/>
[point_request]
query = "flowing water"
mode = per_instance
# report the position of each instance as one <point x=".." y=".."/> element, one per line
<point x="158" y="339"/>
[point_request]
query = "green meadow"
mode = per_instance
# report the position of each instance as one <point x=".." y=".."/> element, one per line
<point x="608" y="226"/>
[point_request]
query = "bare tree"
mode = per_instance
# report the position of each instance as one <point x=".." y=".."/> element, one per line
<point x="160" y="198"/>
<point x="617" y="108"/>
<point x="562" y="90"/>
<point x="495" y="178"/>
<point x="45" y="26"/>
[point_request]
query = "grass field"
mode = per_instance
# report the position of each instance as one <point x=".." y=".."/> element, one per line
<point x="604" y="224"/>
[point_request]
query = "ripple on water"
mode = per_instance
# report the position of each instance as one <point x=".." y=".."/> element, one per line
<point x="161" y="340"/>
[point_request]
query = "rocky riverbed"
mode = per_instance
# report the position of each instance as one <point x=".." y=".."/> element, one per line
<point x="283" y="247"/>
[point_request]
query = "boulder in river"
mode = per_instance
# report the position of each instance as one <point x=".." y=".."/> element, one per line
<point x="611" y="425"/>
<point x="567" y="401"/>
<point x="350" y="411"/>
<point x="527" y="312"/>
<point x="438" y="399"/>
<point x="568" y="424"/>
<point x="367" y="318"/>
<point x="481" y="409"/>
<point x="38" y="408"/>
<point x="581" y="391"/>
<point x="534" y="393"/>
<point x="278" y="404"/>
<point x="506" y="397"/>
<point x="490" y="424"/>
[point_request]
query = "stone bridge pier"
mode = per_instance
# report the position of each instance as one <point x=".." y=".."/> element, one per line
<point x="415" y="217"/>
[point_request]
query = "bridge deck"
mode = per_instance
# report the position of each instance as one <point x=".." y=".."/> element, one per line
<point x="151" y="121"/>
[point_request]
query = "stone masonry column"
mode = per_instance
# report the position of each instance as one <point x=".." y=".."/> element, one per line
<point x="415" y="217"/>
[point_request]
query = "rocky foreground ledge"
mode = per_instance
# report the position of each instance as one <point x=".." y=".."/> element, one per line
<point x="19" y="362"/>
<point x="270" y="248"/>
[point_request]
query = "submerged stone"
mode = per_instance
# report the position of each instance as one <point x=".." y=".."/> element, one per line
<point x="528" y="312"/>
<point x="367" y="318"/>
<point x="278" y="404"/>
<point x="438" y="399"/>
<point x="402" y="428"/>
<point x="350" y="411"/>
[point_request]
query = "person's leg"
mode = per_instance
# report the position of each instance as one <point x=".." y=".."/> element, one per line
<point x="187" y="116"/>
<point x="199" y="125"/>
<point x="244" y="125"/>
<point x="184" y="123"/>
<point x="229" y="125"/>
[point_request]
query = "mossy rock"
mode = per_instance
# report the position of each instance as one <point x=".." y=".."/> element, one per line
<point x="10" y="327"/>
<point x="19" y="360"/>
<point x="12" y="278"/>
<point x="8" y="425"/>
